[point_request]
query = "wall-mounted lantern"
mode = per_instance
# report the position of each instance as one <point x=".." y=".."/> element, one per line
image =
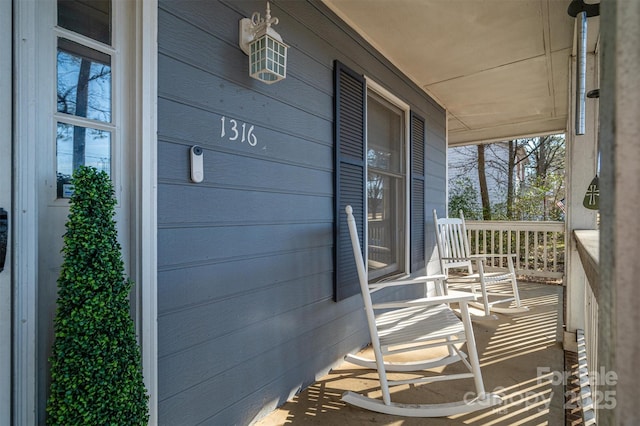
<point x="267" y="53"/>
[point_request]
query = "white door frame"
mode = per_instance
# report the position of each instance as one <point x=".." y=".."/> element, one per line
<point x="25" y="197"/>
<point x="25" y="217"/>
<point x="5" y="202"/>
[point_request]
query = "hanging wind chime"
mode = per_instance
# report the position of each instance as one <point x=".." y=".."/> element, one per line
<point x="592" y="197"/>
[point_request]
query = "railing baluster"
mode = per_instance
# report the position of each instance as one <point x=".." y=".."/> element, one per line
<point x="555" y="252"/>
<point x="477" y="243"/>
<point x="544" y="251"/>
<point x="536" y="258"/>
<point x="526" y="250"/>
<point x="493" y="247"/>
<point x="518" y="253"/>
<point x="501" y="247"/>
<point x="484" y="241"/>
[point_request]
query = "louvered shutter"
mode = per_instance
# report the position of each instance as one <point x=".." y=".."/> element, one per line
<point x="417" y="193"/>
<point x="350" y="178"/>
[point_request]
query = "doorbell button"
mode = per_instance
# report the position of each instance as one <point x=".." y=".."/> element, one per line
<point x="197" y="164"/>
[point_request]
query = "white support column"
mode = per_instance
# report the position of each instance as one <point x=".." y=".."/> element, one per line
<point x="619" y="298"/>
<point x="147" y="201"/>
<point x="581" y="161"/>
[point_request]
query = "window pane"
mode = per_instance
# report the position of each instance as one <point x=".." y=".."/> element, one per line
<point x="77" y="146"/>
<point x="381" y="244"/>
<point x="91" y="18"/>
<point x="385" y="187"/>
<point x="384" y="135"/>
<point x="385" y="221"/>
<point x="84" y="81"/>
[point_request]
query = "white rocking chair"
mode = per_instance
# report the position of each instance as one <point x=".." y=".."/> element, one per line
<point x="454" y="253"/>
<point x="413" y="325"/>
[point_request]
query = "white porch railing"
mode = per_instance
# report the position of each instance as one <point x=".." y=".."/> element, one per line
<point x="588" y="359"/>
<point x="540" y="246"/>
<point x="587" y="243"/>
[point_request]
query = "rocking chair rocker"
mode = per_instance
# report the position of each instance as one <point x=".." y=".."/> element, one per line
<point x="454" y="253"/>
<point x="413" y="325"/>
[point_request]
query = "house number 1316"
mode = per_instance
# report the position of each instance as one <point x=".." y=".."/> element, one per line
<point x="237" y="130"/>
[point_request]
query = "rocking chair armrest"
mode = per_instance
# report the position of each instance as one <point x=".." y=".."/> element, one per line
<point x="409" y="281"/>
<point x="452" y="297"/>
<point x="471" y="258"/>
<point x="495" y="255"/>
<point x="481" y="256"/>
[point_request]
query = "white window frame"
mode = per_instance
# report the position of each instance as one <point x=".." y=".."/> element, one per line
<point x="406" y="110"/>
<point x="115" y="125"/>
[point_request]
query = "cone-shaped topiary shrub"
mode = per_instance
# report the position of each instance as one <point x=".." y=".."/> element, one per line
<point x="96" y="370"/>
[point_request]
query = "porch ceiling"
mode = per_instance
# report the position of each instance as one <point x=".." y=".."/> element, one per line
<point x="500" y="67"/>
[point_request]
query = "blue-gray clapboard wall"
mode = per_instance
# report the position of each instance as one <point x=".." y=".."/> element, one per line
<point x="246" y="258"/>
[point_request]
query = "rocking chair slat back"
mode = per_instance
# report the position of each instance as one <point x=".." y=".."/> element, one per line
<point x="454" y="254"/>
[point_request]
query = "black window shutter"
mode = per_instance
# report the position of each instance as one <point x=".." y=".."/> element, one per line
<point x="349" y="122"/>
<point x="417" y="193"/>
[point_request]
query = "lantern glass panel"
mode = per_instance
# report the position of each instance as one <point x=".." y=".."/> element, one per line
<point x="268" y="59"/>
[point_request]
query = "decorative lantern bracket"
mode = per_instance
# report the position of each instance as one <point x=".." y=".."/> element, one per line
<point x="251" y="28"/>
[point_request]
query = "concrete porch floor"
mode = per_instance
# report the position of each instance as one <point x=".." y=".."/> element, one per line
<point x="520" y="356"/>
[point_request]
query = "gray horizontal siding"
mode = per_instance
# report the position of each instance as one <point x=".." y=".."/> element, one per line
<point x="249" y="171"/>
<point x="245" y="258"/>
<point x="263" y="364"/>
<point x="235" y="277"/>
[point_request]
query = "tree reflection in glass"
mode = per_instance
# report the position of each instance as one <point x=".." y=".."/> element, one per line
<point x="97" y="151"/>
<point x="83" y="90"/>
<point x="84" y="81"/>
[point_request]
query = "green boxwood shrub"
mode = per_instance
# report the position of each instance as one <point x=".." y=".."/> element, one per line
<point x="96" y="369"/>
